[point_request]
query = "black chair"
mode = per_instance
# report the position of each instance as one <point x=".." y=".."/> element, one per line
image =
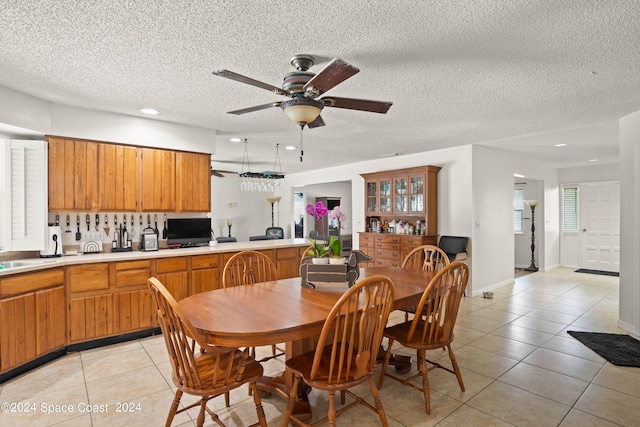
<point x="276" y="232"/>
<point x="261" y="237"/>
<point x="454" y="246"/>
<point x="226" y="239"/>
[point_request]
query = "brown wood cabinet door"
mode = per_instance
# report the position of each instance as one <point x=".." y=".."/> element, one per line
<point x="72" y="174"/>
<point x="91" y="318"/>
<point x="31" y="325"/>
<point x="134" y="311"/>
<point x="288" y="262"/>
<point x="158" y="180"/>
<point x="206" y="279"/>
<point x="117" y="177"/>
<point x="193" y="182"/>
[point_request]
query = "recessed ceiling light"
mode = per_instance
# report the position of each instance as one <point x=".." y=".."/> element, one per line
<point x="235" y="139"/>
<point x="290" y="147"/>
<point x="150" y="111"/>
<point x="560" y="145"/>
<point x="517" y="175"/>
<point x="593" y="160"/>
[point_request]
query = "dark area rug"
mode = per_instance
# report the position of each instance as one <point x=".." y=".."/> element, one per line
<point x="600" y="272"/>
<point x="621" y="350"/>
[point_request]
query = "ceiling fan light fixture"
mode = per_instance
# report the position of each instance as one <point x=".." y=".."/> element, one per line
<point x="302" y="110"/>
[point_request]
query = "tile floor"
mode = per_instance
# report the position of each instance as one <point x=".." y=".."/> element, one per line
<point x="518" y="364"/>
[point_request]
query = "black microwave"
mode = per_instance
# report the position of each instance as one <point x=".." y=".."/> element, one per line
<point x="188" y="231"/>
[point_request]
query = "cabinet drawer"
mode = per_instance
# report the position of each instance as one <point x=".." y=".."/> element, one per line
<point x="365" y="238"/>
<point x="205" y="261"/>
<point x="388" y="246"/>
<point x="134" y="273"/>
<point x="28" y="282"/>
<point x="388" y="238"/>
<point x="133" y="265"/>
<point x="172" y="264"/>
<point x="286" y="253"/>
<point x="89" y="277"/>
<point x="380" y="253"/>
<point x="383" y="262"/>
<point x="413" y="241"/>
<point x="366" y="244"/>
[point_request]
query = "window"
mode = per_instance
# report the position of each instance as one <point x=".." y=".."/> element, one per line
<point x="517" y="211"/>
<point x="570" y="209"/>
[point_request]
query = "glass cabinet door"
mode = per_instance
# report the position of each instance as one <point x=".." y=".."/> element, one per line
<point x="372" y="196"/>
<point x="416" y="191"/>
<point x="385" y="195"/>
<point x="400" y="195"/>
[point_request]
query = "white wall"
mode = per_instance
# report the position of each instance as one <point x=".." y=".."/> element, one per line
<point x="630" y="223"/>
<point x="341" y="190"/>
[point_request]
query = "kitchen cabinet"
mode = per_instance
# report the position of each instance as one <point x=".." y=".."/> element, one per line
<point x="117" y="177"/>
<point x="157" y="180"/>
<point x="174" y="275"/>
<point x="32" y="317"/>
<point x="193" y="182"/>
<point x="73" y="179"/>
<point x="99" y="176"/>
<point x="288" y="262"/>
<point x="206" y="273"/>
<point x="91" y="311"/>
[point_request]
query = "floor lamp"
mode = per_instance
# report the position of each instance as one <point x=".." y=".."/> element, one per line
<point x="272" y="200"/>
<point x="532" y="204"/>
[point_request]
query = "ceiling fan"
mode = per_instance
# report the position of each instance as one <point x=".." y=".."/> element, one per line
<point x="219" y="172"/>
<point x="304" y="88"/>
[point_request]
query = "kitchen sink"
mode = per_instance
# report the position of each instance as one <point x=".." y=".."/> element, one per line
<point x="15" y="264"/>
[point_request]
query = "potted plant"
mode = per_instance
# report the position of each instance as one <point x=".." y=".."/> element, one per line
<point x="318" y="251"/>
<point x="335" y="249"/>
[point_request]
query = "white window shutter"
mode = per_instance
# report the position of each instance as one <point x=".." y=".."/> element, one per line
<point x="26" y="207"/>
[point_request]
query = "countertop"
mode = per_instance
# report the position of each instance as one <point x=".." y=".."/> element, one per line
<point x="36" y="264"/>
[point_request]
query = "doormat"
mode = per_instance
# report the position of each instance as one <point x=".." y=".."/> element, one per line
<point x="600" y="272"/>
<point x="621" y="350"/>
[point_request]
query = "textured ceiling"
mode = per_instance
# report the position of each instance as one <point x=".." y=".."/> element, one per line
<point x="512" y="74"/>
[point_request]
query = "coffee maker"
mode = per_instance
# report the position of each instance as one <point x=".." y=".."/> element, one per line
<point x="53" y="245"/>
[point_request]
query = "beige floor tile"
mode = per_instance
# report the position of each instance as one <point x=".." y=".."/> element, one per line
<point x="496" y="315"/>
<point x="526" y="335"/>
<point x="407" y="406"/>
<point x="545" y="383"/>
<point x="504" y="346"/>
<point x="518" y="407"/>
<point x="478" y="323"/>
<point x="510" y="307"/>
<point x="577" y="418"/>
<point x="446" y="383"/>
<point x="149" y="410"/>
<point x="470" y="417"/>
<point x="56" y="375"/>
<point x="116" y="363"/>
<point x="553" y="316"/>
<point x="565" y="343"/>
<point x="539" y="325"/>
<point x="48" y="408"/>
<point x="129" y="387"/>
<point x="566" y="364"/>
<point x="109" y="350"/>
<point x="80" y="421"/>
<point x="157" y="352"/>
<point x="611" y="405"/>
<point x="624" y="380"/>
<point x="482" y="362"/>
<point x="565" y="308"/>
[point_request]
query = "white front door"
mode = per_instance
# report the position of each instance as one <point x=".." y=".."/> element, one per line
<point x="600" y="226"/>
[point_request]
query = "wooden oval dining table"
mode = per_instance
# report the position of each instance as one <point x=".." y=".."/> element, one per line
<point x="282" y="311"/>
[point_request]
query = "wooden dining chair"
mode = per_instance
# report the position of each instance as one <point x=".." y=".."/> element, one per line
<point x="199" y="368"/>
<point x="247" y="268"/>
<point x="346" y="352"/>
<point x="431" y="327"/>
<point x="425" y="257"/>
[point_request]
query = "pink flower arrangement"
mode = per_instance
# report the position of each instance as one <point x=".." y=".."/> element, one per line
<point x="337" y="214"/>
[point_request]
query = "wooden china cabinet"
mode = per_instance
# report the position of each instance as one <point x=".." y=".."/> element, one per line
<point x="408" y="195"/>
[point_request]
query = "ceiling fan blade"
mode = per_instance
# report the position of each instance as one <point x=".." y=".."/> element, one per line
<point x="255" y="108"/>
<point x="316" y="123"/>
<point x="330" y="76"/>
<point x="216" y="173"/>
<point x="243" y="79"/>
<point x="357" y="104"/>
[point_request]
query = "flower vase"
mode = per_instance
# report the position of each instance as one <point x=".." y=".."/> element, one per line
<point x="320" y="260"/>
